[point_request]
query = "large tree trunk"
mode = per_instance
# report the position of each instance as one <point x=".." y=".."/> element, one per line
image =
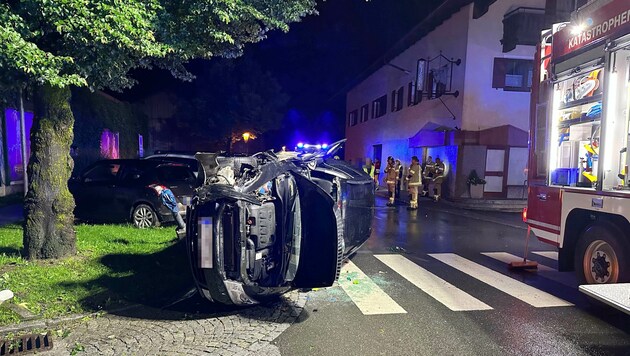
<point x="48" y="206"/>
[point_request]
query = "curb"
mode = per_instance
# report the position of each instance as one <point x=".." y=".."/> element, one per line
<point x="473" y="214"/>
<point x="464" y="204"/>
<point x="47" y="323"/>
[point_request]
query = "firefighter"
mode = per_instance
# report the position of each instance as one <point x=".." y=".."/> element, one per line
<point x="369" y="168"/>
<point x="377" y="172"/>
<point x="391" y="177"/>
<point x="399" y="176"/>
<point x="428" y="172"/>
<point x="438" y="178"/>
<point x="414" y="182"/>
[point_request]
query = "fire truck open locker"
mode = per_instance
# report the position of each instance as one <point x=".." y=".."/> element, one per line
<point x="579" y="184"/>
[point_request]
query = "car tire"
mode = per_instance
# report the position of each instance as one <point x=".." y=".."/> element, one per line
<point x="601" y="256"/>
<point x="143" y="216"/>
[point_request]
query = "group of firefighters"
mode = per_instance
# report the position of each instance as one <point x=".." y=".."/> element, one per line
<point x="417" y="175"/>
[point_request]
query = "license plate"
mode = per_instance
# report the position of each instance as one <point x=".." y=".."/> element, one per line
<point x="205" y="242"/>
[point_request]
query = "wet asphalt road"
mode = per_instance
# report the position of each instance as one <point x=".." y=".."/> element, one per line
<point x="332" y="323"/>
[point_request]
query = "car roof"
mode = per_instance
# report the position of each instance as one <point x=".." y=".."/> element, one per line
<point x="139" y="162"/>
<point x="169" y="155"/>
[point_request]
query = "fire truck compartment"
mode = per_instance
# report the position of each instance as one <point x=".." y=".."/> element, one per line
<point x="615" y="295"/>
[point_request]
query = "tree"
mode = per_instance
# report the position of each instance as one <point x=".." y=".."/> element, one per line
<point x="235" y="96"/>
<point x="55" y="44"/>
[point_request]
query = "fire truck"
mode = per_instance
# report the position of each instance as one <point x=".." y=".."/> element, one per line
<point x="578" y="178"/>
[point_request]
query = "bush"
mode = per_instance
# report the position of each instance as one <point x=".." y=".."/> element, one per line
<point x="474" y="179"/>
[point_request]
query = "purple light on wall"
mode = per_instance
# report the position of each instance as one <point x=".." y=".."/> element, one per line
<point x="14" y="144"/>
<point x="109" y="144"/>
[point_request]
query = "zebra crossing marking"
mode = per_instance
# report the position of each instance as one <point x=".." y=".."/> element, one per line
<point x="510" y="286"/>
<point x="366" y="295"/>
<point x="508" y="257"/>
<point x="452" y="297"/>
<point x="549" y="254"/>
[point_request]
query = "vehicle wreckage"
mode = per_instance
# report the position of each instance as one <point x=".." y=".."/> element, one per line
<point x="264" y="224"/>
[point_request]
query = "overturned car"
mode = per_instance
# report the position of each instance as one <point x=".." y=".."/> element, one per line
<point x="264" y="224"/>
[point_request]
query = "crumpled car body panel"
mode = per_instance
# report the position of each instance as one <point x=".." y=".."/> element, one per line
<point x="262" y="225"/>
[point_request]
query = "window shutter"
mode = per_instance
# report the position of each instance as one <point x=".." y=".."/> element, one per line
<point x="393" y="100"/>
<point x="498" y="72"/>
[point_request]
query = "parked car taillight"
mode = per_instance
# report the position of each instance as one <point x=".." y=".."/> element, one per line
<point x="525" y="214"/>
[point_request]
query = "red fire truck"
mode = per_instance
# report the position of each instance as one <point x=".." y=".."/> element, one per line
<point x="579" y="184"/>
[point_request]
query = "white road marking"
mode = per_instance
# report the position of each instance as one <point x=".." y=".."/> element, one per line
<point x="549" y="254"/>
<point x="522" y="291"/>
<point x="365" y="294"/>
<point x="452" y="297"/>
<point x="508" y="257"/>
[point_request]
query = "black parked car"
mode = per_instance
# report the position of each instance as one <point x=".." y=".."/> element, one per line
<point x="264" y="224"/>
<point x="180" y="157"/>
<point x="119" y="190"/>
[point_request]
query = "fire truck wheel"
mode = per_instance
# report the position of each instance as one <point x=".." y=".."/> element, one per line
<point x="600" y="256"/>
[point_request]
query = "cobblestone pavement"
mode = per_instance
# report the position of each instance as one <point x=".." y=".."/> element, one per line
<point x="151" y="331"/>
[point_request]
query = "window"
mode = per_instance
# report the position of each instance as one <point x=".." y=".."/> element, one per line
<point x="140" y="146"/>
<point x="172" y="174"/>
<point x="393" y="103"/>
<point x="364" y="113"/>
<point x="411" y="98"/>
<point x="399" y="97"/>
<point x="109" y="144"/>
<point x="512" y="74"/>
<point x="379" y="107"/>
<point x="352" y="118"/>
<point x="104" y="172"/>
<point x="131" y="174"/>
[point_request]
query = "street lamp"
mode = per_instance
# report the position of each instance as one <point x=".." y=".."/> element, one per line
<point x="246" y="136"/>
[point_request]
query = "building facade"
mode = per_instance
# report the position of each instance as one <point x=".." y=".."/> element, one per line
<point x="458" y="88"/>
<point x="104" y="128"/>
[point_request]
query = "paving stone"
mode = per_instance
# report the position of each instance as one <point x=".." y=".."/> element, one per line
<point x="246" y="331"/>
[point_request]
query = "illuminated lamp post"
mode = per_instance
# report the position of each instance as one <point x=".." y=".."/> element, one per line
<point x="246" y="136"/>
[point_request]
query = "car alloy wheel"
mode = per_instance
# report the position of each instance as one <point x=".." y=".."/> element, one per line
<point x="144" y="216"/>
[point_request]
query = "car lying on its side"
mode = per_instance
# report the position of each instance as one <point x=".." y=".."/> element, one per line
<point x="119" y="190"/>
<point x="264" y="224"/>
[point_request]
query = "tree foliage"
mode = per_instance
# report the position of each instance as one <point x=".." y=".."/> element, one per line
<point x="231" y="97"/>
<point x="97" y="42"/>
<point x="54" y="44"/>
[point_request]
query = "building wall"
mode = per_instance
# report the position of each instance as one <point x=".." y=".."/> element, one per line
<point x="484" y="106"/>
<point x="477" y="42"/>
<point x="394" y="129"/>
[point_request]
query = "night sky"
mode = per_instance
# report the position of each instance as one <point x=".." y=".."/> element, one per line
<point x="318" y="61"/>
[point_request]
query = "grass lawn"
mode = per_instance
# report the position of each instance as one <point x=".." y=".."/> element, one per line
<point x="115" y="265"/>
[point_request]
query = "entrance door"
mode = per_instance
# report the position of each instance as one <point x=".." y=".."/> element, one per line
<point x="495" y="173"/>
<point x="377" y="152"/>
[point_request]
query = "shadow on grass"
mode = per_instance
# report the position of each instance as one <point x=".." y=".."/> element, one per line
<point x="10" y="251"/>
<point x="159" y="282"/>
<point x="152" y="280"/>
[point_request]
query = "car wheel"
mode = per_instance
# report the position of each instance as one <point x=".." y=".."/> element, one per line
<point x="144" y="216"/>
<point x="600" y="256"/>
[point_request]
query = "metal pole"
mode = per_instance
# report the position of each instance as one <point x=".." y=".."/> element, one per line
<point x="23" y="143"/>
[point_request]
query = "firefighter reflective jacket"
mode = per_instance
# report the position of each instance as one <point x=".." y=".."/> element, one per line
<point x="391" y="174"/>
<point x="414" y="174"/>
